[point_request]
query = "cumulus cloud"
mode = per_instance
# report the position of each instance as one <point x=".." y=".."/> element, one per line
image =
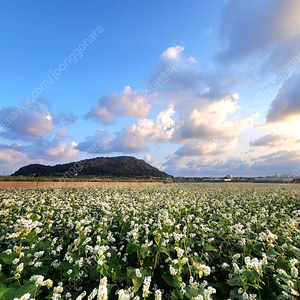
<point x="193" y="114"/>
<point x="149" y="159"/>
<point x="64" y="118"/>
<point x="287" y="102"/>
<point x="211" y="120"/>
<point x="280" y="162"/>
<point x="30" y="123"/>
<point x="14" y="156"/>
<point x="270" y="140"/>
<point x="207" y="147"/>
<point x="32" y="120"/>
<point x="175" y="77"/>
<point x="63" y="151"/>
<point x="128" y="104"/>
<point x="105" y="141"/>
<point x="210" y="130"/>
<point x="205" y="166"/>
<point x="173" y="53"/>
<point x="255" y="28"/>
<point x="11" y="156"/>
<point x="133" y="138"/>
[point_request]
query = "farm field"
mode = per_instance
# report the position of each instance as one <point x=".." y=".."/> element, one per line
<point x="173" y="241"/>
<point x="46" y="184"/>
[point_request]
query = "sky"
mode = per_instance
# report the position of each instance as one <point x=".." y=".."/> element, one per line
<point x="195" y="88"/>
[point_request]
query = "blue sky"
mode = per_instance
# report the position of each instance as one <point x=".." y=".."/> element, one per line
<point x="195" y="88"/>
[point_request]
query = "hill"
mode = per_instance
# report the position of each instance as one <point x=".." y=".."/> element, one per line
<point x="121" y="166"/>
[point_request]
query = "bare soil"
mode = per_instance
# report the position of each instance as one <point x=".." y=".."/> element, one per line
<point x="43" y="184"/>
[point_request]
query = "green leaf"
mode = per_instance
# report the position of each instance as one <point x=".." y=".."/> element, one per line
<point x="31" y="237"/>
<point x="248" y="275"/>
<point x="164" y="250"/>
<point x="209" y="247"/>
<point x="2" y="278"/>
<point x="144" y="251"/>
<point x="131" y="248"/>
<point x="176" y="295"/>
<point x="233" y="294"/>
<point x="190" y="293"/>
<point x="271" y="251"/>
<point x="2" y="289"/>
<point x="234" y="281"/>
<point x="11" y="293"/>
<point x="137" y="282"/>
<point x="131" y="272"/>
<point x="255" y="275"/>
<point x="8" y="259"/>
<point x="283" y="264"/>
<point x="173" y="281"/>
<point x="43" y="245"/>
<point x="258" y="246"/>
<point x="197" y="261"/>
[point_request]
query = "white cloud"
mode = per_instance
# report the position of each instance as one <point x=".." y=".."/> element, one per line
<point x="270" y="140"/>
<point x="205" y="166"/>
<point x="63" y="151"/>
<point x="202" y="119"/>
<point x="148" y="158"/>
<point x="267" y="29"/>
<point x="32" y="120"/>
<point x="173" y="53"/>
<point x="12" y="157"/>
<point x="286" y="104"/>
<point x="38" y="151"/>
<point x="128" y="104"/>
<point x="280" y="162"/>
<point x="26" y="124"/>
<point x="135" y="137"/>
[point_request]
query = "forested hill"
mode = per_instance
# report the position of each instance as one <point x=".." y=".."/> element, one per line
<point x="121" y="166"/>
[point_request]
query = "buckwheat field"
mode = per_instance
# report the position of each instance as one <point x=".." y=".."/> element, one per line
<point x="173" y="241"/>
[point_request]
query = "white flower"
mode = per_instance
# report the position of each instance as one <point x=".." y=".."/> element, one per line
<point x="81" y="295"/>
<point x="236" y="268"/>
<point x="146" y="286"/>
<point x="93" y="294"/>
<point x="24" y="297"/>
<point x="37" y="280"/>
<point x="158" y="295"/>
<point x="179" y="251"/>
<point x="20" y="268"/>
<point x="203" y="270"/>
<point x="48" y="283"/>
<point x="173" y="272"/>
<point x="138" y="273"/>
<point x="102" y="290"/>
<point x="58" y="289"/>
<point x="15" y="261"/>
<point x="294" y="271"/>
<point x="245" y="296"/>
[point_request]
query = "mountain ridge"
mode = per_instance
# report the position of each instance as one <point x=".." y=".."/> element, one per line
<point x="119" y="166"/>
